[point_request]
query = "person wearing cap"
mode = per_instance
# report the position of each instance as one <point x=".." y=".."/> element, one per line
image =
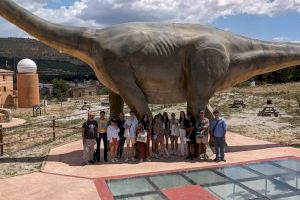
<point x="89" y="133"/>
<point x="218" y="129"/>
<point x="113" y="139"/>
<point x="202" y="128"/>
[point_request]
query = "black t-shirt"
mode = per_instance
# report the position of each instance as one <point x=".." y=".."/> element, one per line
<point x="120" y="124"/>
<point x="188" y="124"/>
<point x="146" y="124"/>
<point x="90" y="129"/>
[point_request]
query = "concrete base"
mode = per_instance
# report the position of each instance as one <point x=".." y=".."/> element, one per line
<point x="63" y="177"/>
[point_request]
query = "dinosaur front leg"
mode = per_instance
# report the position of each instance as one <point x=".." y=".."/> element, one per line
<point x="135" y="99"/>
<point x="208" y="65"/>
<point x="124" y="82"/>
<point x="116" y="104"/>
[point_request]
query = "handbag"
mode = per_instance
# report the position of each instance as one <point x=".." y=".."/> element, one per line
<point x="142" y="137"/>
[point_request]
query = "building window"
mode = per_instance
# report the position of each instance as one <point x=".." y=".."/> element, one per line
<point x="79" y="95"/>
<point x="4" y="89"/>
<point x="90" y="93"/>
<point x="4" y="77"/>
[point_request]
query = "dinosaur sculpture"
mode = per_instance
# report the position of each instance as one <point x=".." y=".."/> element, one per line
<point x="160" y="63"/>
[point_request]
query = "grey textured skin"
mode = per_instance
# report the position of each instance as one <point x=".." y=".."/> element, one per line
<point x="160" y="63"/>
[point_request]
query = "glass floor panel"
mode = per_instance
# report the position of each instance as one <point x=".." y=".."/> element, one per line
<point x="169" y="181"/>
<point x="205" y="177"/>
<point x="267" y="187"/>
<point x="129" y="186"/>
<point x="230" y="191"/>
<point x="260" y="180"/>
<point x="267" y="168"/>
<point x="292" y="179"/>
<point x="291" y="164"/>
<point x="297" y="197"/>
<point x="236" y="172"/>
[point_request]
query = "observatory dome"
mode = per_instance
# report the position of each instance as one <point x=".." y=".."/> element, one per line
<point x="26" y="66"/>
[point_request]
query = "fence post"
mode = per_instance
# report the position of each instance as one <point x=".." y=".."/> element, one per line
<point x="1" y="140"/>
<point x="53" y="126"/>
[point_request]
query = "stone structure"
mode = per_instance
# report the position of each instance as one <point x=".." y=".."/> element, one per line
<point x="160" y="63"/>
<point x="8" y="96"/>
<point x="83" y="91"/>
<point x="27" y="84"/>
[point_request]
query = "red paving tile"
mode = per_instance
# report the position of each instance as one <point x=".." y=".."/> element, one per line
<point x="191" y="192"/>
<point x="63" y="177"/>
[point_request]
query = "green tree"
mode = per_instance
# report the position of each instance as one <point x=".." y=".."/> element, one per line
<point x="60" y="89"/>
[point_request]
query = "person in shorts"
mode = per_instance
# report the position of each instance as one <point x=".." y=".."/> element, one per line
<point x="202" y="128"/>
<point x="113" y="139"/>
<point x="89" y="132"/>
<point x="130" y="126"/>
<point x="174" y="126"/>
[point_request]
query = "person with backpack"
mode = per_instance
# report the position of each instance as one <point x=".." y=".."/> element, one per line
<point x="89" y="133"/>
<point x="218" y="133"/>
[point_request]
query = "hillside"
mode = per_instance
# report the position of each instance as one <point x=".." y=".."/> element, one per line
<point x="50" y="62"/>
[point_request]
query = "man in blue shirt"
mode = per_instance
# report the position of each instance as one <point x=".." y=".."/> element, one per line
<point x="218" y="132"/>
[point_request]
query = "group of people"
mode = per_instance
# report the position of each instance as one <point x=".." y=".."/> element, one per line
<point x="188" y="136"/>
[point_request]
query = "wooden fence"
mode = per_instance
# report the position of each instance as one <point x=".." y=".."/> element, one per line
<point x="52" y="129"/>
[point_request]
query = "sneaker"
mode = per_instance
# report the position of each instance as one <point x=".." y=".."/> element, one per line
<point x="133" y="159"/>
<point x="148" y="159"/>
<point x="156" y="156"/>
<point x="126" y="160"/>
<point x="141" y="160"/>
<point x="216" y="160"/>
<point x="113" y="160"/>
<point x="188" y="157"/>
<point x="201" y="157"/>
<point x="206" y="157"/>
<point x="223" y="160"/>
<point x="116" y="160"/>
<point x="83" y="163"/>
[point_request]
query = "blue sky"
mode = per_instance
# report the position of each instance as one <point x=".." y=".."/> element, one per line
<point x="261" y="19"/>
<point x="58" y="3"/>
<point x="281" y="27"/>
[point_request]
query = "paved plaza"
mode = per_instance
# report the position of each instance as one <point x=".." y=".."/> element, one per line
<point x="63" y="177"/>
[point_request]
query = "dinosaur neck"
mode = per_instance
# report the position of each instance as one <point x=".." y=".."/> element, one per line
<point x="260" y="58"/>
<point x="66" y="39"/>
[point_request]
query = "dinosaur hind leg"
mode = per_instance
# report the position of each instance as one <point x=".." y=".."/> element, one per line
<point x="116" y="104"/>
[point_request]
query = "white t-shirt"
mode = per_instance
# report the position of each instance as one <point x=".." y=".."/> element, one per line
<point x="112" y="132"/>
<point x="132" y="125"/>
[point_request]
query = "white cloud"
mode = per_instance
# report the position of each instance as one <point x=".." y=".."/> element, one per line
<point x="101" y="13"/>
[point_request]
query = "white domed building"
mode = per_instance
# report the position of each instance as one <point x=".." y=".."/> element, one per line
<point x="27" y="84"/>
<point x="27" y="66"/>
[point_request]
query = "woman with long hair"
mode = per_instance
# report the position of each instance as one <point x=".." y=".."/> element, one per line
<point x="182" y="133"/>
<point x="174" y="126"/>
<point x="166" y="127"/>
<point x="146" y="125"/>
<point x="113" y="138"/>
<point x="191" y="135"/>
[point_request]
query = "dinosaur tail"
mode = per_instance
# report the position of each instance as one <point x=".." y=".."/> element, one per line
<point x="65" y="39"/>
